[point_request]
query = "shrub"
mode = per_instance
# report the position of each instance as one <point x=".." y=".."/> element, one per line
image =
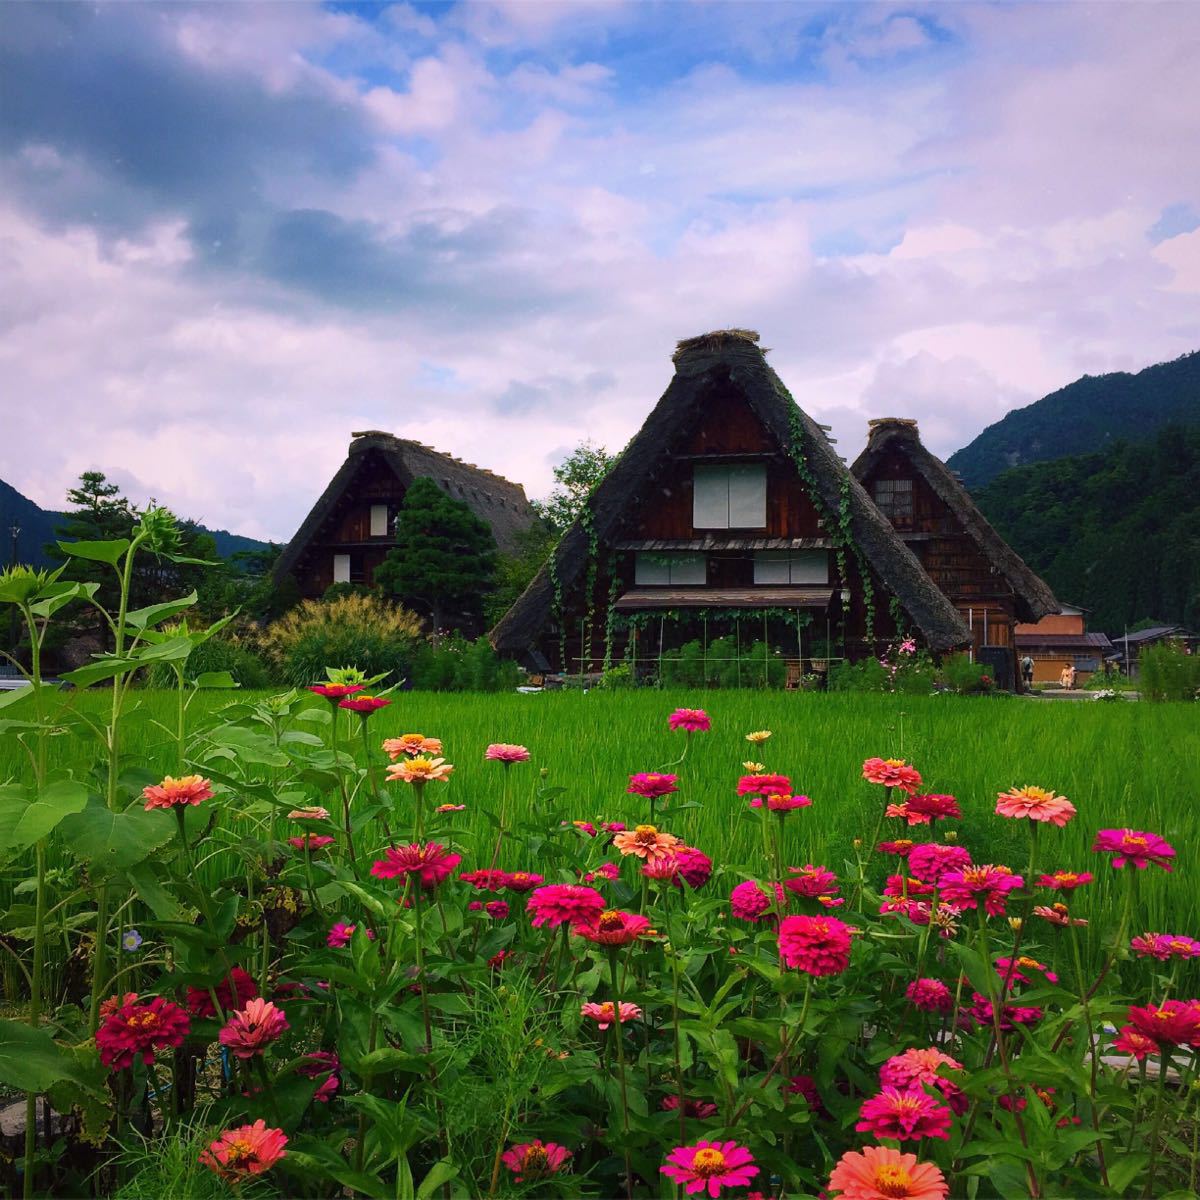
<point x="962" y="675"/>
<point x="361" y="631"/>
<point x="459" y="665"/>
<point x="217" y="654"/>
<point x="867" y="675"/>
<point x="1169" y="672"/>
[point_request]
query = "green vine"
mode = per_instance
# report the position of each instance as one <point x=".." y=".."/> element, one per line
<point x="587" y="520"/>
<point x="610" y="616"/>
<point x="559" y="612"/>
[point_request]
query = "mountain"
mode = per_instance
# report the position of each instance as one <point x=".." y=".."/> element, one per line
<point x="1117" y="532"/>
<point x="1085" y="416"/>
<point x="37" y="528"/>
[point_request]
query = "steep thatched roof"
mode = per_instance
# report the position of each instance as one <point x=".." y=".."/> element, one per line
<point x="498" y="501"/>
<point x="702" y="365"/>
<point x="887" y="434"/>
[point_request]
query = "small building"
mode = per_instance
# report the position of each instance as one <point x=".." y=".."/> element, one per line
<point x="989" y="584"/>
<point x="352" y="526"/>
<point x="729" y="511"/>
<point x="1061" y="640"/>
<point x="1127" y="647"/>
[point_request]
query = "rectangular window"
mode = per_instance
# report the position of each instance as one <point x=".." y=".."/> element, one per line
<point x="782" y="567"/>
<point x="730" y="497"/>
<point x="894" y="498"/>
<point x="379" y="520"/>
<point x="341" y="568"/>
<point x="661" y="570"/>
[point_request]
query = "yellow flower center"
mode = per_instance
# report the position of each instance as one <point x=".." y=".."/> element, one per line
<point x="646" y="835"/>
<point x="420" y="766"/>
<point x="611" y="919"/>
<point x="1030" y="962"/>
<point x="1130" y="840"/>
<point x="143" y="1020"/>
<point x="891" y="1179"/>
<point x="708" y="1162"/>
<point x="536" y="1159"/>
<point x="240" y="1151"/>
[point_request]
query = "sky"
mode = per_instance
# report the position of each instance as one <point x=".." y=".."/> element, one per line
<point x="231" y="235"/>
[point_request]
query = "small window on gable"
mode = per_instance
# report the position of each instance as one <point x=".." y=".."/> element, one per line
<point x="661" y="570"/>
<point x="730" y="497"/>
<point x="379" y="520"/>
<point x="341" y="568"/>
<point x="894" y="498"/>
<point x="787" y="567"/>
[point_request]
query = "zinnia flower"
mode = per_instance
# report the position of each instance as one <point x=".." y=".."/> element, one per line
<point x="136" y="1030"/>
<point x="311" y="841"/>
<point x="336" y="691"/>
<point x="781" y="803"/>
<point x="505" y="753"/>
<point x="815" y="945"/>
<point x="1174" y="1022"/>
<point x="699" y="1110"/>
<point x="412" y="744"/>
<point x="748" y="901"/>
<point x="602" y="1014"/>
<point x="694" y="720"/>
<point x="930" y="995"/>
<point x="1133" y="1041"/>
<point x="1065" y="881"/>
<point x="431" y="864"/>
<point x="1035" y="803"/>
<point x="1012" y="970"/>
<point x="615" y="928"/>
<point x="929" y="861"/>
<point x="1057" y="914"/>
<point x="901" y="846"/>
<point x="251" y="1030"/>
<point x="892" y="773"/>
<point x="646" y="842"/>
<point x="608" y="870"/>
<point x="449" y="808"/>
<point x="419" y="770"/>
<point x="710" y="1166"/>
<point x="811" y="881"/>
<point x="693" y="867"/>
<point x="176" y="793"/>
<point x="522" y="881"/>
<point x="924" y="809"/>
<point x="764" y="785"/>
<point x="246" y="1150"/>
<point x="559" y="903"/>
<point x="1134" y="846"/>
<point x="651" y="786"/>
<point x="234" y="991"/>
<point x="1011" y="1015"/>
<point x="315" y="813"/>
<point x="991" y="884"/>
<point x="881" y="1173"/>
<point x="758" y="736"/>
<point x="534" y="1160"/>
<point x="904" y="1115"/>
<point x="496" y="909"/>
<point x="341" y="934"/>
<point x="919" y="1068"/>
<point x="364" y="705"/>
<point x="1164" y="946"/>
<point x="485" y="881"/>
<point x="322" y="1062"/>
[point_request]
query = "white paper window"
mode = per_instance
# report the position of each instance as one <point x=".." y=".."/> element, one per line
<point x="379" y="518"/>
<point x="730" y="497"/>
<point x="341" y="568"/>
<point x="791" y="567"/>
<point x="658" y="570"/>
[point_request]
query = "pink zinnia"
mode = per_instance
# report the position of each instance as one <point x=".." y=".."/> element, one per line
<point x="694" y="867"/>
<point x="1057" y="914"/>
<point x="930" y="995"/>
<point x="496" y="909"/>
<point x="246" y="1150"/>
<point x="1175" y="1022"/>
<point x="922" y="810"/>
<point x="646" y="842"/>
<point x="929" y="861"/>
<point x="311" y="841"/>
<point x="991" y="884"/>
<point x="1035" y="804"/>
<point x="602" y="1014"/>
<point x="136" y="1030"/>
<point x="1133" y="1041"/>
<point x="918" y="1068"/>
<point x="764" y="785"/>
<point x="1065" y="881"/>
<point x="615" y="928"/>
<point x="748" y="901"/>
<point x="694" y="720"/>
<point x="485" y="881"/>
<point x="1134" y="846"/>
<point x="341" y="934"/>
<point x="253" y="1029"/>
<point x="901" y="846"/>
<point x="710" y="1166"/>
<point x="506" y="753"/>
<point x="781" y="803"/>
<point x="1011" y="1015"/>
<point x="522" y="881"/>
<point x="1013" y="970"/>
<point x="559" y="903"/>
<point x="815" y="945"/>
<point x="608" y="870"/>
<point x="364" y="705"/>
<point x="892" y="773"/>
<point x="906" y="886"/>
<point x="177" y="793"/>
<point x="904" y="1115"/>
<point x="413" y="744"/>
<point x="431" y="864"/>
<point x="651" y="785"/>
<point x="336" y="691"/>
<point x="699" y="1110"/>
<point x="811" y="881"/>
<point x="663" y="867"/>
<point x="534" y="1160"/>
<point x="1164" y="946"/>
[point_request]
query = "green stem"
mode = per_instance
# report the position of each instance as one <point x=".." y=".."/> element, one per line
<point x="1164" y="1059"/>
<point x="35" y="1013"/>
<point x="341" y="778"/>
<point x="616" y="1001"/>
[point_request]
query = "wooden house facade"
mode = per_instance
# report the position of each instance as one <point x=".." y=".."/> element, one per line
<point x="730" y="504"/>
<point x="352" y="526"/>
<point x="933" y="514"/>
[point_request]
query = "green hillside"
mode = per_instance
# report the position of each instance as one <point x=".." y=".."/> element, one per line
<point x="1117" y="532"/>
<point x="1088" y="415"/>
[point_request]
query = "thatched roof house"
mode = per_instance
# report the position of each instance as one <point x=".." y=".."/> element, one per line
<point x="351" y="527"/>
<point x="793" y="530"/>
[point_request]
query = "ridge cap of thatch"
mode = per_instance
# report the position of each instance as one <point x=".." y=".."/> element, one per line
<point x="716" y="339"/>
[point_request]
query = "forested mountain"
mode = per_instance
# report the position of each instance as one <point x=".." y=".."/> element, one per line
<point x="1117" y="532"/>
<point x="1088" y="415"/>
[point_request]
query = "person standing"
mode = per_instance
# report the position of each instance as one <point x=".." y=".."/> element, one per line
<point x="1027" y="671"/>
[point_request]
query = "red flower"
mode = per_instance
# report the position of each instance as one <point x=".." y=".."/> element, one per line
<point x="811" y="881"/>
<point x="781" y="803"/>
<point x="991" y="884"/>
<point x="573" y="904"/>
<point x="748" y="901"/>
<point x="364" y="704"/>
<point x="764" y="785"/>
<point x="251" y="1030"/>
<point x="699" y="1110"/>
<point x="1174" y="1022"/>
<point x="694" y="867"/>
<point x="901" y="846"/>
<point x="1065" y="881"/>
<point x="932" y="807"/>
<point x="1134" y="846"/>
<point x="431" y="864"/>
<point x="1133" y="1041"/>
<point x="234" y="991"/>
<point x="496" y="909"/>
<point x="904" y="1115"/>
<point x="341" y="933"/>
<point x="815" y="945"/>
<point x="521" y="881"/>
<point x="314" y="841"/>
<point x="135" y="1030"/>
<point x="485" y="881"/>
<point x="336" y="691"/>
<point x="247" y="1150"/>
<point x="615" y="928"/>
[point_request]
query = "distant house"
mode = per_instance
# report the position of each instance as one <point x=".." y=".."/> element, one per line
<point x="1132" y="644"/>
<point x="352" y="526"/>
<point x="1061" y="640"/>
<point x="933" y="514"/>
<point x="728" y="512"/>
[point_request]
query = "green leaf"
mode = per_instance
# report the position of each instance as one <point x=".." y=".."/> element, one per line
<point x="24" y="821"/>
<point x="441" y="1172"/>
<point x="116" y="840"/>
<point x="151" y="891"/>
<point x="60" y="594"/>
<point x="105" y="667"/>
<point x="30" y="1059"/>
<point x="15" y="696"/>
<point x="215" y="679"/>
<point x="170" y="650"/>
<point x="105" y="552"/>
<point x="152" y="614"/>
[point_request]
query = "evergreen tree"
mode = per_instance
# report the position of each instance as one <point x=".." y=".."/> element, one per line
<point x="444" y="560"/>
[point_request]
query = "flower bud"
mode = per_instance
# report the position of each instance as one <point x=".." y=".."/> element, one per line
<point x="1015" y="924"/>
<point x="951" y="835"/>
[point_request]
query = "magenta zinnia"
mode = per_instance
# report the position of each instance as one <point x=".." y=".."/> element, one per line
<point x="923" y="809"/>
<point x="136" y="1030"/>
<point x="748" y="901"/>
<point x="615" y="928"/>
<point x="905" y="1115"/>
<point x="234" y="991"/>
<point x="651" y="786"/>
<point x="929" y="861"/>
<point x="991" y="884"/>
<point x="815" y="945"/>
<point x="1134" y="846"/>
<point x="364" y="705"/>
<point x="764" y="785"/>
<point x="253" y="1029"/>
<point x="534" y="1160"/>
<point x="694" y="720"/>
<point x="811" y="881"/>
<point x="710" y="1166"/>
<point x="431" y="864"/>
<point x="781" y="803"/>
<point x="693" y="867"/>
<point x="1065" y="881"/>
<point x="1164" y="946"/>
<point x="565" y="903"/>
<point x="930" y="995"/>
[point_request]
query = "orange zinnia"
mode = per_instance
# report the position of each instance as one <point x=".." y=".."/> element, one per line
<point x="646" y="842"/>
<point x="880" y="1173"/>
<point x="1036" y="803"/>
<point x="420" y="770"/>
<point x="175" y="793"/>
<point x="411" y="744"/>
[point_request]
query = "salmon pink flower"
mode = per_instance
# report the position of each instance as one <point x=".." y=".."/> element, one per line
<point x="364" y="705"/>
<point x="906" y="1115"/>
<point x="781" y="803"/>
<point x="764" y="785"/>
<point x="311" y="841"/>
<point x="534" y="1160"/>
<point x="1133" y="1041"/>
<point x="991" y="884"/>
<point x="252" y="1029"/>
<point x="113" y="1003"/>
<point x="748" y="901"/>
<point x="602" y="1014"/>
<point x="815" y="945"/>
<point x="930" y="995"/>
<point x="506" y="753"/>
<point x="559" y="903"/>
<point x="881" y="1173"/>
<point x="1134" y="846"/>
<point x="615" y="928"/>
<point x="413" y="744"/>
<point x="419" y="770"/>
<point x="315" y="813"/>
<point x="1036" y="804"/>
<point x="430" y="864"/>
<point x="335" y="691"/>
<point x="1057" y="914"/>
<point x="234" y="991"/>
<point x="646" y="842"/>
<point x="663" y="867"/>
<point x="651" y="786"/>
<point x="811" y="881"/>
<point x="245" y="1151"/>
<point x="1174" y="1022"/>
<point x="177" y="793"/>
<point x="449" y="808"/>
<point x="919" y="1068"/>
<point x="892" y="773"/>
<point x="136" y="1030"/>
<point x="1013" y="970"/>
<point x="710" y="1166"/>
<point x="694" y="720"/>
